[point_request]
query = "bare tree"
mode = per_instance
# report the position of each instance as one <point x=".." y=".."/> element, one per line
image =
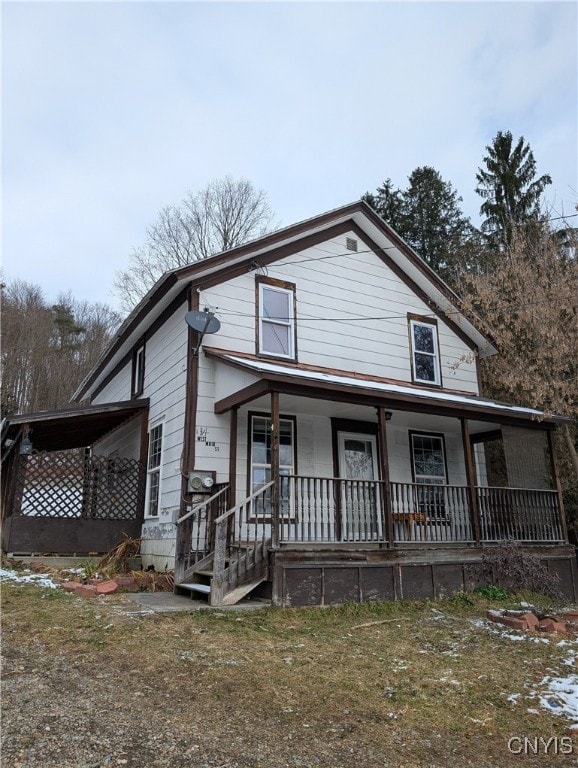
<point x="530" y="301"/>
<point x="47" y="350"/>
<point x="224" y="214"/>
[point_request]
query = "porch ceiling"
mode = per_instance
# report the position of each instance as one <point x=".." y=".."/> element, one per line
<point x="71" y="428"/>
<point x="340" y="386"/>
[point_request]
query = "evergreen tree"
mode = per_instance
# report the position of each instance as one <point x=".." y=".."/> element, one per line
<point x="509" y="187"/>
<point x="428" y="217"/>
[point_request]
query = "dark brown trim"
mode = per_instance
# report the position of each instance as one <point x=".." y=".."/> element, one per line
<point x="137" y="377"/>
<point x="233" y="437"/>
<point x="426" y="433"/>
<point x="266" y="415"/>
<point x="383" y="417"/>
<point x="290" y="365"/>
<point x="359" y="396"/>
<point x="191" y="398"/>
<point x="270" y="257"/>
<point x="242" y="397"/>
<point x="300" y="241"/>
<point x="143" y="456"/>
<point x="275" y="495"/>
<point x="471" y="480"/>
<point x="347" y="425"/>
<point x="416" y="261"/>
<point x="167" y="313"/>
<point x="285" y="286"/>
<point x="484" y="437"/>
<point x="434" y="324"/>
<point x="478" y="374"/>
<point x="557" y="484"/>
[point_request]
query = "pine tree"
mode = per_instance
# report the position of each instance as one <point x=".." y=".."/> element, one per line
<point x="509" y="187"/>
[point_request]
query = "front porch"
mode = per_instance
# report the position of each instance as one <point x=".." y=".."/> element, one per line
<point x="435" y="487"/>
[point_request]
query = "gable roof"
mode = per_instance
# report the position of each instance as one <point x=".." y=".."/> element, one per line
<point x="359" y="217"/>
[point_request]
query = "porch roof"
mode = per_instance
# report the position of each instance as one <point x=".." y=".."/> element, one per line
<point x="75" y="427"/>
<point x="310" y="381"/>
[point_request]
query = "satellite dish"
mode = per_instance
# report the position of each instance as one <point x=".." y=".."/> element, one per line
<point x="202" y="322"/>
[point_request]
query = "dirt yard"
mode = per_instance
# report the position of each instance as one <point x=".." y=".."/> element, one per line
<point x="95" y="683"/>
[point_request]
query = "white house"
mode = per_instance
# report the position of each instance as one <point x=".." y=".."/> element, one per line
<point x="329" y="440"/>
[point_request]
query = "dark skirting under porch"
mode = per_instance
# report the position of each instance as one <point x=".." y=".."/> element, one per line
<point x="330" y="577"/>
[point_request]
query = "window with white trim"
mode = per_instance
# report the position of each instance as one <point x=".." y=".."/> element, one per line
<point x="260" y="431"/>
<point x="154" y="471"/>
<point x="425" y="352"/>
<point x="429" y="471"/>
<point x="276" y="320"/>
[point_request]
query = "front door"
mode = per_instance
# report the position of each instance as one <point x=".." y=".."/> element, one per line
<point x="359" y="491"/>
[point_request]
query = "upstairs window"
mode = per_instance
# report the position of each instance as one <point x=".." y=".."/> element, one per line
<point x="425" y="352"/>
<point x="138" y="371"/>
<point x="276" y="313"/>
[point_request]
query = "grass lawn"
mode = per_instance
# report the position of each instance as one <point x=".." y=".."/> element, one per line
<point x="87" y="684"/>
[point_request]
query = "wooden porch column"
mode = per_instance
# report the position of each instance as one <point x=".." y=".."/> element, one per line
<point x="233" y="457"/>
<point x="471" y="478"/>
<point x="557" y="485"/>
<point x="275" y="468"/>
<point x="383" y="417"/>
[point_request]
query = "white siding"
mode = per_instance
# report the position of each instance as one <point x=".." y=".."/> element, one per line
<point x="332" y="295"/>
<point x="124" y="441"/>
<point x="118" y="389"/>
<point x="165" y="385"/>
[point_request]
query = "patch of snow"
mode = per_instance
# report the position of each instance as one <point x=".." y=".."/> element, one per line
<point x="39" y="579"/>
<point x="513" y="698"/>
<point x="561" y="696"/>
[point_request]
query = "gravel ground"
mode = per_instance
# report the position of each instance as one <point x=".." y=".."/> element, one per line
<point x="65" y="711"/>
<point x="109" y="682"/>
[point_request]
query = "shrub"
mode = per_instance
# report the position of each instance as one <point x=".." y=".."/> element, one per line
<point x="513" y="568"/>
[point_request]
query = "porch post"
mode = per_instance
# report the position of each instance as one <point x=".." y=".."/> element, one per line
<point x="275" y="468"/>
<point x="557" y="485"/>
<point x="233" y="458"/>
<point x="143" y="459"/>
<point x="471" y="478"/>
<point x="383" y="417"/>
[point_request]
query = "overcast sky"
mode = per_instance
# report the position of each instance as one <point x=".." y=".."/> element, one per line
<point x="112" y="110"/>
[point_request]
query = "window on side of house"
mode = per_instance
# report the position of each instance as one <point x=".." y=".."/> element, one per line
<point x="138" y="371"/>
<point x="429" y="470"/>
<point x="154" y="471"/>
<point x="424" y="352"/>
<point x="260" y="458"/>
<point x="276" y="314"/>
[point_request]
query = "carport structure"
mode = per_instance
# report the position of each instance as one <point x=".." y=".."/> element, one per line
<point x="58" y="495"/>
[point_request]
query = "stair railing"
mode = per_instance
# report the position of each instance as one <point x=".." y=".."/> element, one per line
<point x="241" y="536"/>
<point x="195" y="531"/>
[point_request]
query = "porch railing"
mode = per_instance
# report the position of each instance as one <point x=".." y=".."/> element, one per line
<point x="330" y="509"/>
<point x="520" y="514"/>
<point x="325" y="509"/>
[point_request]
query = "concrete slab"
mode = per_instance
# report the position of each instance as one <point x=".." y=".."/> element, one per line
<point x="164" y="602"/>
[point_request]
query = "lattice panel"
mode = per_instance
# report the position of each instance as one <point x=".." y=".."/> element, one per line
<point x="66" y="484"/>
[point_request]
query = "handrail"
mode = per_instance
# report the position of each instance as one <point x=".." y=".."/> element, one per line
<point x="202" y="504"/>
<point x="234" y="509"/>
